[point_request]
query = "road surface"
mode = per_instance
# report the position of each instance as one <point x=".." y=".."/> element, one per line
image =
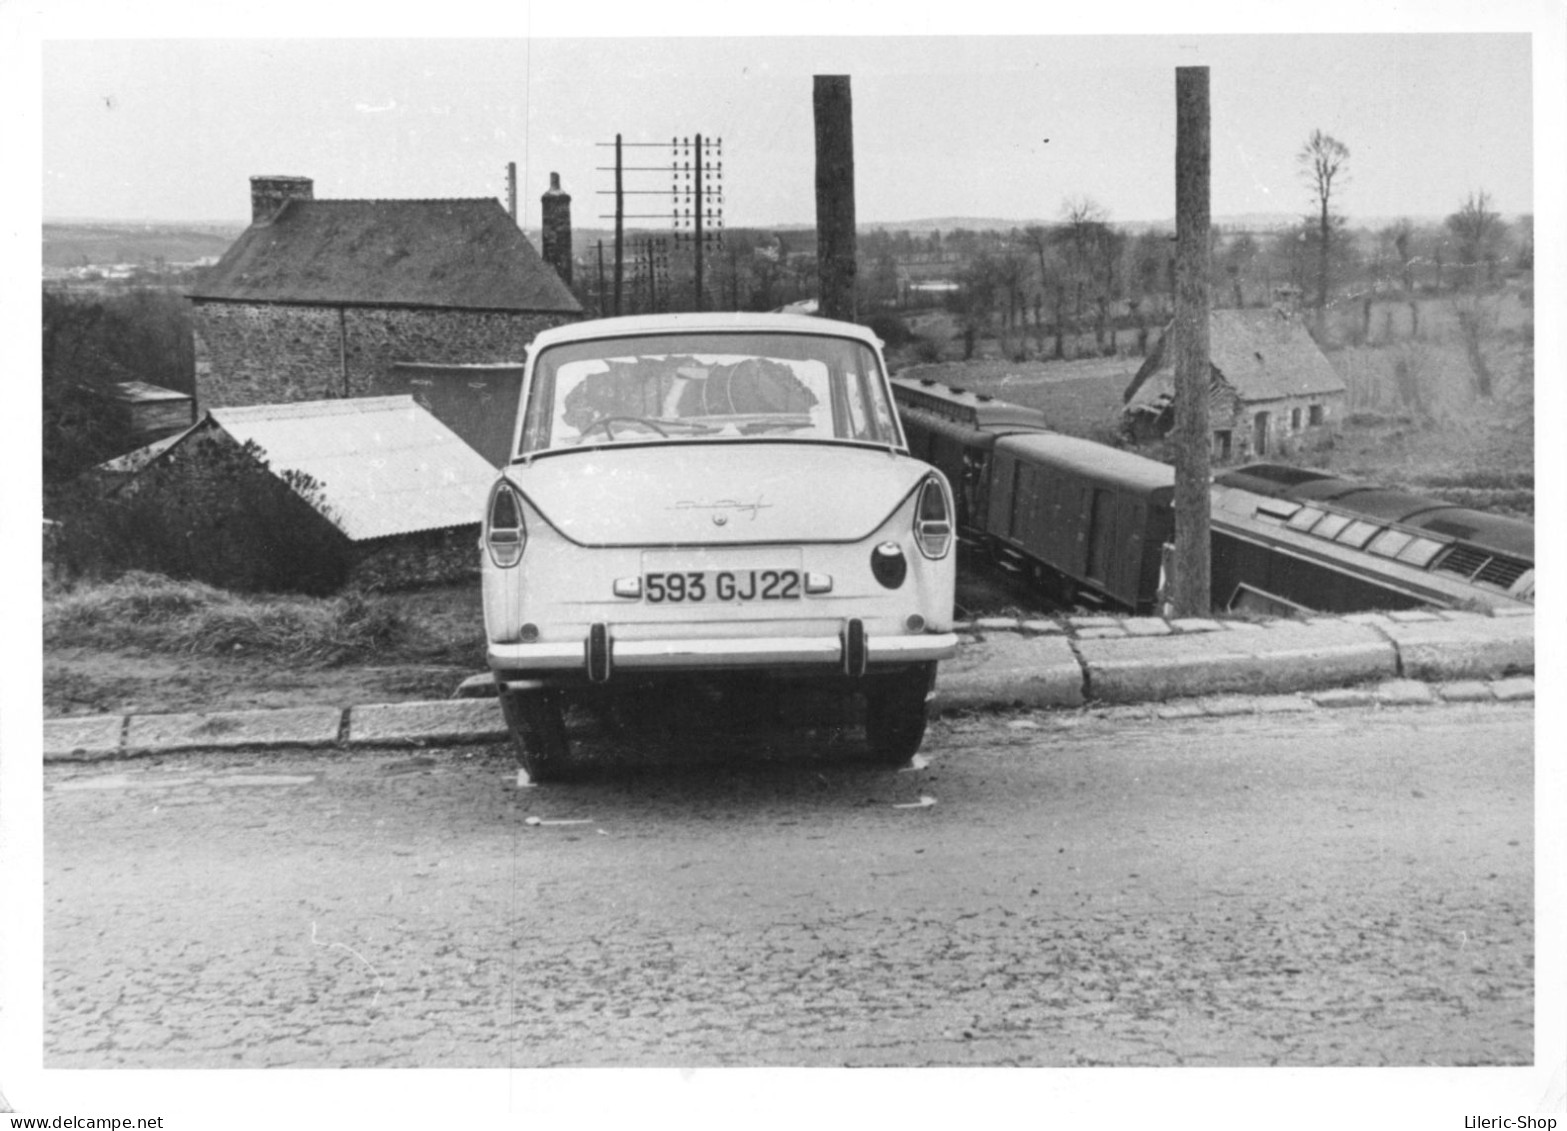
<point x="1327" y="888"/>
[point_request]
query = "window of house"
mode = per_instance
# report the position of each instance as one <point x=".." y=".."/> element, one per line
<point x="1316" y="415"/>
<point x="1221" y="445"/>
<point x="1294" y="420"/>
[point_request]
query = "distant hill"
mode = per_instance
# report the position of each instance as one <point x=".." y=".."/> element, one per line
<point x="73" y="244"/>
<point x="76" y="243"/>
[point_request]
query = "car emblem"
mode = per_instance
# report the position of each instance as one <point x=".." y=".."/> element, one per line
<point x="719" y="507"/>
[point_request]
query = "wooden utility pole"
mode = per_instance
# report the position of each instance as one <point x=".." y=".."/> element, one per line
<point x="835" y="240"/>
<point x="601" y="279"/>
<point x="1191" y="592"/>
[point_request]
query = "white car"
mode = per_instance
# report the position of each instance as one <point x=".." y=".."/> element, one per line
<point x="706" y="495"/>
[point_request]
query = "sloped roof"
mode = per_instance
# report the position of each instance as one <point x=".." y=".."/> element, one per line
<point x="458" y="254"/>
<point x="134" y="461"/>
<point x="1262" y="354"/>
<point x="384" y="465"/>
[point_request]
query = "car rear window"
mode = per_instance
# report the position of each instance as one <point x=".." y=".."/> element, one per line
<point x="685" y="388"/>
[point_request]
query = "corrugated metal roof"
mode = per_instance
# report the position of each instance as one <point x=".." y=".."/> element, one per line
<point x="384" y="464"/>
<point x="462" y="254"/>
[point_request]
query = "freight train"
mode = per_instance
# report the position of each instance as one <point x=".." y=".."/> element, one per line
<point x="1092" y="524"/>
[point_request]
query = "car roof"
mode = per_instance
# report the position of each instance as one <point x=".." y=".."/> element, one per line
<point x="724" y="322"/>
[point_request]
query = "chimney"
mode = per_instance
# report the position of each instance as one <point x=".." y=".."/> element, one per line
<point x="269" y="194"/>
<point x="557" y="229"/>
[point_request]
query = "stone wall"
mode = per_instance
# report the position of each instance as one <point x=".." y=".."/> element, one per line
<point x="1285" y="441"/>
<point x="259" y="353"/>
<point x="407" y="561"/>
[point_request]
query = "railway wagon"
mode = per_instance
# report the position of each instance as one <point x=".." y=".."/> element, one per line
<point x="956" y="430"/>
<point x="1084" y="521"/>
<point x="1096" y="517"/>
<point x="1288" y="538"/>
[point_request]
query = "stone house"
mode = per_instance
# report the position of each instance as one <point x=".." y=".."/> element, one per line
<point x="319" y="299"/>
<point x="1270" y="388"/>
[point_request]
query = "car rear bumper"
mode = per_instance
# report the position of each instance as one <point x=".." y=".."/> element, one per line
<point x="851" y="652"/>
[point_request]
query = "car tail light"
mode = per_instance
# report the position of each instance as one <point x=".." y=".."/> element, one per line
<point x="504" y="532"/>
<point x="933" y="520"/>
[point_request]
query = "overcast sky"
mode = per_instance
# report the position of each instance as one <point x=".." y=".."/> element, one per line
<point x="978" y="126"/>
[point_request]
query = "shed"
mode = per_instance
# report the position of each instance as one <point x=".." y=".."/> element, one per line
<point x="154" y="411"/>
<point x="1270" y="386"/>
<point x="404" y="490"/>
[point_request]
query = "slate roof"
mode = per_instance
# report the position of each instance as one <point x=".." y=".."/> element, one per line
<point x="455" y="254"/>
<point x="1262" y="354"/>
<point x="385" y="465"/>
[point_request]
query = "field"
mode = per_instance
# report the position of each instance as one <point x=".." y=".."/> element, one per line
<point x="80" y="245"/>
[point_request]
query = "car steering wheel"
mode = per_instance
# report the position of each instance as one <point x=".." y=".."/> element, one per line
<point x="605" y="421"/>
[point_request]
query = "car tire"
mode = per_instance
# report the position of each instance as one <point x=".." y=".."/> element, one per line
<point x="537" y="723"/>
<point x="895" y="713"/>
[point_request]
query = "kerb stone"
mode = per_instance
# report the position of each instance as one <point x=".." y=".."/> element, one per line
<point x="442" y="720"/>
<point x="294" y="726"/>
<point x="1483" y="648"/>
<point x="1034" y="671"/>
<point x="83" y="737"/>
<point x="1285" y="658"/>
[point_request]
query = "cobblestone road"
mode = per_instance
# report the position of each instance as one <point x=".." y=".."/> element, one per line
<point x="1345" y="888"/>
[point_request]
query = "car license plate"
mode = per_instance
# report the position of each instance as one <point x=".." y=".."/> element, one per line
<point x="723" y="585"/>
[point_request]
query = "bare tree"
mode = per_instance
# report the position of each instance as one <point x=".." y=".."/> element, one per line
<point x="1479" y="232"/>
<point x="1038" y="240"/>
<point x="1088" y="246"/>
<point x="1150" y="256"/>
<point x="1323" y="160"/>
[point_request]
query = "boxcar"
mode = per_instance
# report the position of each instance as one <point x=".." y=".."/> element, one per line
<point x="1098" y="516"/>
<point x="956" y="430"/>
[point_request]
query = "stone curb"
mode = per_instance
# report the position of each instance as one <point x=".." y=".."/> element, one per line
<point x="1146" y="668"/>
<point x="292" y="726"/>
<point x="1280" y="659"/>
<point x="444" y="720"/>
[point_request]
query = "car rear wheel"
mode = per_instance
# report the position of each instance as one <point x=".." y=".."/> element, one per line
<point x="538" y="732"/>
<point x="895" y="713"/>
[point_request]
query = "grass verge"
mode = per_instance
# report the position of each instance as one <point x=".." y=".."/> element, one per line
<point x="156" y="614"/>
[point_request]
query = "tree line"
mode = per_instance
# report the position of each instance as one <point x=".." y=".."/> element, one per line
<point x="1086" y="275"/>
